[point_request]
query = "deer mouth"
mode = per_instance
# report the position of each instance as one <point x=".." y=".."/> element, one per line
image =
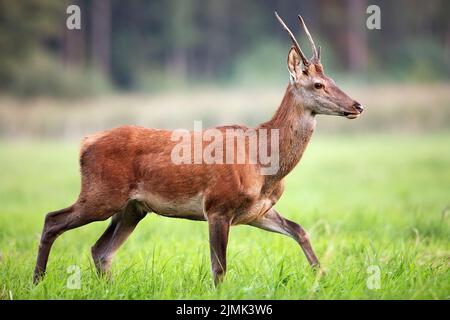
<point x="351" y="115"/>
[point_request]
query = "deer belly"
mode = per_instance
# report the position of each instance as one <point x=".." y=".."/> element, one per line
<point x="189" y="208"/>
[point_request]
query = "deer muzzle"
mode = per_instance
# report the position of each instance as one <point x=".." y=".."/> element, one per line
<point x="358" y="109"/>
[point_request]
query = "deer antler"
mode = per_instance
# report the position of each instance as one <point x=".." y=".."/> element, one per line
<point x="316" y="53"/>
<point x="294" y="41"/>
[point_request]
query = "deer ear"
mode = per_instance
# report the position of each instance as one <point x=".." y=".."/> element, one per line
<point x="293" y="64"/>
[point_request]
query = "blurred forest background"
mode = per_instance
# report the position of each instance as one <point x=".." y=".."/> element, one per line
<point x="166" y="63"/>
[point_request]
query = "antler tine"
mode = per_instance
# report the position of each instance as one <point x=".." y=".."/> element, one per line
<point x="294" y="41"/>
<point x="316" y="54"/>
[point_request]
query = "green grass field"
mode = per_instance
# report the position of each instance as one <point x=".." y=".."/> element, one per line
<point x="369" y="202"/>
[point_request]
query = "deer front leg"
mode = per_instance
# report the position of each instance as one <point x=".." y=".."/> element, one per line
<point x="274" y="222"/>
<point x="219" y="227"/>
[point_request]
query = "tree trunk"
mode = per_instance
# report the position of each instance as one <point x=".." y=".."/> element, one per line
<point x="101" y="35"/>
<point x="73" y="43"/>
<point x="357" y="51"/>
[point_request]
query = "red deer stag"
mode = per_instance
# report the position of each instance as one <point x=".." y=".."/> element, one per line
<point x="128" y="172"/>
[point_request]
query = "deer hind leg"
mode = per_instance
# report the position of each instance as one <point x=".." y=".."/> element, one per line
<point x="122" y="225"/>
<point x="56" y="223"/>
<point x="274" y="222"/>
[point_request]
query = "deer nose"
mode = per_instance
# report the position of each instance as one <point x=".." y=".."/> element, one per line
<point x="358" y="107"/>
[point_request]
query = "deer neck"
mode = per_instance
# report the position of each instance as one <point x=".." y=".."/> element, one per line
<point x="295" y="125"/>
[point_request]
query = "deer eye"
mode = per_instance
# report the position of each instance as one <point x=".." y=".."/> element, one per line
<point x="318" y="85"/>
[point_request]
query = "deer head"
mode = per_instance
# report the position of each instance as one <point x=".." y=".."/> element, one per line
<point x="316" y="92"/>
